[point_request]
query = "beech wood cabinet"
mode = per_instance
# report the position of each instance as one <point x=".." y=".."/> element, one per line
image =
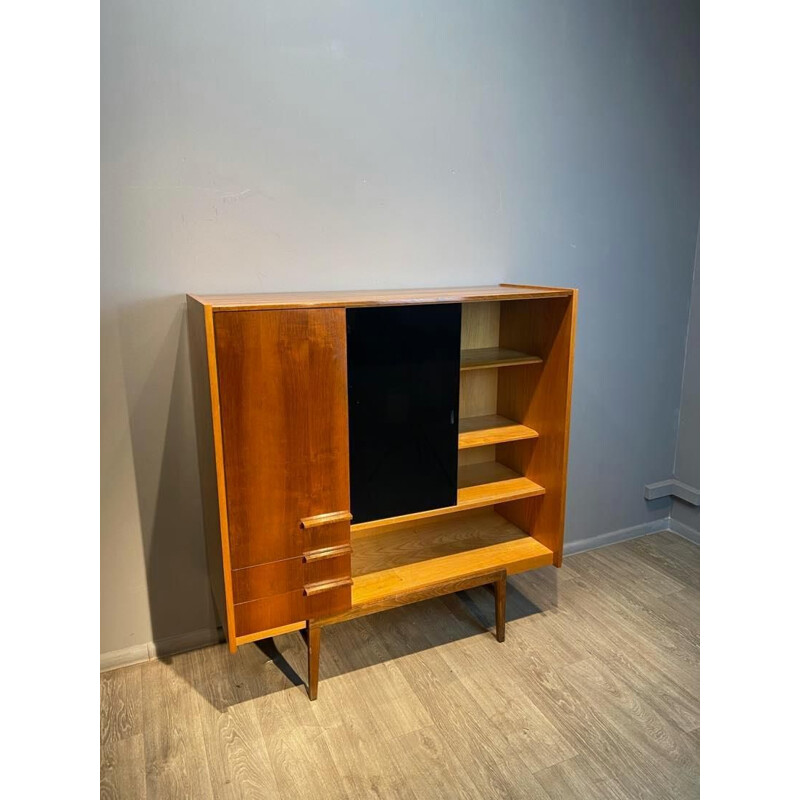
<point x="363" y="450"/>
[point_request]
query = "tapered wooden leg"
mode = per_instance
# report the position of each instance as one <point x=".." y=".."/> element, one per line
<point x="312" y="640"/>
<point x="500" y="609"/>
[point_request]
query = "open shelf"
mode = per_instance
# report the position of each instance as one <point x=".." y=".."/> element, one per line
<point x="415" y="557"/>
<point x="479" y="485"/>
<point x="486" y="357"/>
<point x="491" y="429"/>
<point x="489" y="483"/>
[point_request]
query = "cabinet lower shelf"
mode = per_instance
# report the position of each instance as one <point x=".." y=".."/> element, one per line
<point x="413" y="560"/>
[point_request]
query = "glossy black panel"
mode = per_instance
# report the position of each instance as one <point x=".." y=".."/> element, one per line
<point x="403" y="381"/>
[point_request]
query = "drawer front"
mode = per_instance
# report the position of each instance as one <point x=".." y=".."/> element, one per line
<point x="267" y="580"/>
<point x="325" y="536"/>
<point x="293" y="574"/>
<point x="284" y="609"/>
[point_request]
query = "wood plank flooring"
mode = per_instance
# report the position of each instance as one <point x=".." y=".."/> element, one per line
<point x="593" y="696"/>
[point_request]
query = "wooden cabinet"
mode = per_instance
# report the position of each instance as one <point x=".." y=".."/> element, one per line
<point x="449" y="409"/>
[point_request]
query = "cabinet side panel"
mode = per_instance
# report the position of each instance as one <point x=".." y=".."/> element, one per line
<point x="542" y="400"/>
<point x="206" y="415"/>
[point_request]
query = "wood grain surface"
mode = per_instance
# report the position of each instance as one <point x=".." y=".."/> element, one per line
<point x="539" y="396"/>
<point x="208" y="430"/>
<point x="488" y="357"/>
<point x="480" y="485"/>
<point x="370" y="297"/>
<point x="283" y="396"/>
<point x="593" y="696"/>
<point x="491" y="429"/>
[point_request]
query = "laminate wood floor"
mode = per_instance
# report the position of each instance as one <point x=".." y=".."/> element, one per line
<point x="593" y="695"/>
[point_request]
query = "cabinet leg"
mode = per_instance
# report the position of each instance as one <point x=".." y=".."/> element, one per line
<point x="312" y="640"/>
<point x="500" y="609"/>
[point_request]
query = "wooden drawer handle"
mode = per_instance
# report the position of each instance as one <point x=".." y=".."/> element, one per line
<point x="327" y="552"/>
<point x="326" y="586"/>
<point x="325" y="519"/>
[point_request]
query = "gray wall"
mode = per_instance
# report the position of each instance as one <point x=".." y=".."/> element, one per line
<point x="687" y="451"/>
<point x="268" y="146"/>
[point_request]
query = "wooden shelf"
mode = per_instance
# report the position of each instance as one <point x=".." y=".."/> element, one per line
<point x="411" y="559"/>
<point x="489" y="483"/>
<point x="491" y="429"/>
<point x="486" y="357"/>
<point x="479" y="485"/>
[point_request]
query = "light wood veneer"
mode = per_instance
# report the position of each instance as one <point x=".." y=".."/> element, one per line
<point x="480" y="485"/>
<point x="369" y="297"/>
<point x="491" y="429"/>
<point x="486" y="357"/>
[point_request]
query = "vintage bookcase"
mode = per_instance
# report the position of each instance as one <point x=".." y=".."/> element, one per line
<point x="363" y="450"/>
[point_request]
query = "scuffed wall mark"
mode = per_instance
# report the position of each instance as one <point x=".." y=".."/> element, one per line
<point x="237" y="196"/>
<point x="159" y="187"/>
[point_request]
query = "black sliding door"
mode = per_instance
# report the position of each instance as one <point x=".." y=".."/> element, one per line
<point x="403" y="380"/>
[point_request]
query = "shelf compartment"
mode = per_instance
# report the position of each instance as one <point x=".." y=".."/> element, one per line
<point x="488" y="357"/>
<point x="491" y="429"/>
<point x="479" y="485"/>
<point x="410" y="559"/>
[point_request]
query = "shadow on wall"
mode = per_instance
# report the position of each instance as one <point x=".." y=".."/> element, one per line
<point x="155" y="356"/>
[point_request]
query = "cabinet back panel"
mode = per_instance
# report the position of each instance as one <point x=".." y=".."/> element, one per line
<point x="283" y="403"/>
<point x="478" y="393"/>
<point x="403" y="384"/>
<point x="480" y="325"/>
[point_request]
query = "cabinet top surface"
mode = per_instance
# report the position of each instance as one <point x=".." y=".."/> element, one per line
<point x="373" y="297"/>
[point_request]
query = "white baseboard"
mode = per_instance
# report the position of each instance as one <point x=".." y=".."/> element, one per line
<point x="685" y="531"/>
<point x="125" y="657"/>
<point x="167" y="646"/>
<point x="672" y="488"/>
<point x="613" y="537"/>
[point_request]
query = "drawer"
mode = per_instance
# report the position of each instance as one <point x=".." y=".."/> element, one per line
<point x="284" y="609"/>
<point x="291" y="545"/>
<point x="266" y="580"/>
<point x="292" y="574"/>
<point x="325" y="536"/>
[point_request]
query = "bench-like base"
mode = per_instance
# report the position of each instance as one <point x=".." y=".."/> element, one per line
<point x="313" y="630"/>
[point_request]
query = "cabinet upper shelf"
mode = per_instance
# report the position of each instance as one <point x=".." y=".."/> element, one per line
<point x="491" y="429"/>
<point x="485" y="357"/>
